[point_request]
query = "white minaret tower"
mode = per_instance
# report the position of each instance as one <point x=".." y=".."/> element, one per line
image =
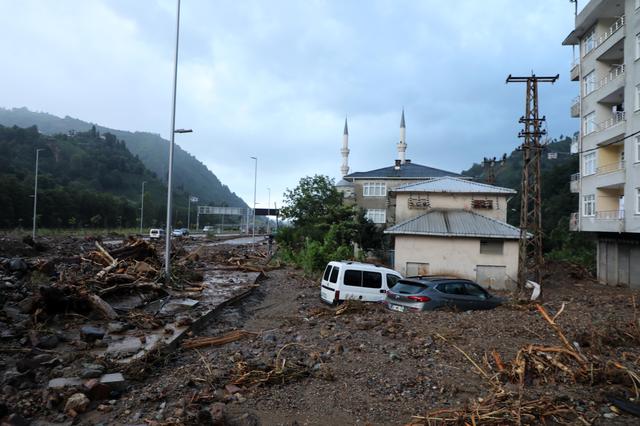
<point x="402" y="145"/>
<point x="345" y="150"/>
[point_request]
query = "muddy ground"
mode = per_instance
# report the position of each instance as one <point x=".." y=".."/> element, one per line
<point x="302" y="362"/>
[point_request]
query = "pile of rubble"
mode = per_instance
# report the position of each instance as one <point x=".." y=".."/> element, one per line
<point x="74" y="329"/>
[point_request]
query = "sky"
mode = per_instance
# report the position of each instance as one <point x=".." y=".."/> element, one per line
<point x="276" y="79"/>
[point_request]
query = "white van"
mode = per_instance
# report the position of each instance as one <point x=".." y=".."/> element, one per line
<point x="156" y="233"/>
<point x="358" y="281"/>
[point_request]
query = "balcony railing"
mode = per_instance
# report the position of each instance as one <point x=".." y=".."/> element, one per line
<point x="575" y="177"/>
<point x="574" y="145"/>
<point x="610" y="215"/>
<point x="610" y="31"/>
<point x="615" y="72"/>
<point x="574" y="221"/>
<point x="616" y="118"/>
<point x="608" y="168"/>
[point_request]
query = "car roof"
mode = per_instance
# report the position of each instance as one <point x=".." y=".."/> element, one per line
<point x="362" y="265"/>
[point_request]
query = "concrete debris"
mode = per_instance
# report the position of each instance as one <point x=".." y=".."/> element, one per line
<point x="76" y="404"/>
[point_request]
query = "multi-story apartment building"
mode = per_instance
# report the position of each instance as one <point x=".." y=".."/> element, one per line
<point x="606" y="42"/>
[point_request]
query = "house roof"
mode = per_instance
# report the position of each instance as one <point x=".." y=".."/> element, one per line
<point x="453" y="184"/>
<point x="406" y="170"/>
<point x="344" y="183"/>
<point x="455" y="223"/>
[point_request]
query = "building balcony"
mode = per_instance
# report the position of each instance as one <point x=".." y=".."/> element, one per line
<point x="611" y="87"/>
<point x="574" y="222"/>
<point x="606" y="130"/>
<point x="602" y="221"/>
<point x="610" y="175"/>
<point x="574" y="183"/>
<point x="575" y="107"/>
<point x="575" y="70"/>
<point x="607" y="43"/>
<point x="574" y="148"/>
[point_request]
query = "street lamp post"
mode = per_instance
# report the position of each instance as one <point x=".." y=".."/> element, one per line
<point x="35" y="195"/>
<point x="172" y="133"/>
<point x="142" y="206"/>
<point x="269" y="212"/>
<point x="191" y="199"/>
<point x="255" y="182"/>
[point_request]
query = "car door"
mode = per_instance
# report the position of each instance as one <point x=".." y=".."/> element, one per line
<point x="454" y="295"/>
<point x="478" y="297"/>
<point x="372" y="289"/>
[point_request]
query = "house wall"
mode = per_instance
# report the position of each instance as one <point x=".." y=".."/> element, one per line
<point x="381" y="202"/>
<point x="453" y="256"/>
<point x="450" y="201"/>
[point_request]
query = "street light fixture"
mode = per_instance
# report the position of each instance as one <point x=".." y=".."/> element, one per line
<point x="142" y="206"/>
<point x="35" y="195"/>
<point x="255" y="182"/>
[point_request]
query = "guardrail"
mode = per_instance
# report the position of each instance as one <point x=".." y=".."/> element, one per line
<point x="619" y="23"/>
<point x="615" y="72"/>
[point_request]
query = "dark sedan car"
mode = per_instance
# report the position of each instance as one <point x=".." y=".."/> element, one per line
<point x="427" y="294"/>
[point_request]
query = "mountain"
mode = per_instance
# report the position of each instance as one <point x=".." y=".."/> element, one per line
<point x="84" y="180"/>
<point x="189" y="174"/>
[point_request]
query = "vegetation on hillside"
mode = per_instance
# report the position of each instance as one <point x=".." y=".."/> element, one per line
<point x="558" y="202"/>
<point x="190" y="175"/>
<point x="84" y="180"/>
<point x="323" y="228"/>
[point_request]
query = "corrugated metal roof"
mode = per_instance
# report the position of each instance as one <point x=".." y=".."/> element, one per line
<point x="453" y="184"/>
<point x="455" y="223"/>
<point x="406" y="170"/>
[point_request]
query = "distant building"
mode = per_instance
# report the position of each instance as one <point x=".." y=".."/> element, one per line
<point x="452" y="226"/>
<point x="370" y="190"/>
<point x="608" y="181"/>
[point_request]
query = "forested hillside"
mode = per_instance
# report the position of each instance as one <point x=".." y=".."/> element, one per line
<point x="190" y="174"/>
<point x="85" y="180"/>
<point x="558" y="202"/>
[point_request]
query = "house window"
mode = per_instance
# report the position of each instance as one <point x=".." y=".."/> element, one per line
<point x="589" y="41"/>
<point x="491" y="246"/>
<point x="637" y="45"/>
<point x="376" y="215"/>
<point x="374" y="189"/>
<point x="637" y="97"/>
<point x="589" y="82"/>
<point x="637" y="200"/>
<point x="637" y="149"/>
<point x="590" y="123"/>
<point x="589" y="163"/>
<point x="589" y="205"/>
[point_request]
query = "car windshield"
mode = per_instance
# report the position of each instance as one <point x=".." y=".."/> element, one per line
<point x="408" y="287"/>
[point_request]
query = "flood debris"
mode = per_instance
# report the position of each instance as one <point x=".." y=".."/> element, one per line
<point x="200" y="342"/>
<point x="76" y="329"/>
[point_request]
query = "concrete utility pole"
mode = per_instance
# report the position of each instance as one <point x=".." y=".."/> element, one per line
<point x="490" y="165"/>
<point x="35" y="195"/>
<point x="530" y="258"/>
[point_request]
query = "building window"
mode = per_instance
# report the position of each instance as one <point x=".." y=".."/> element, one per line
<point x="637" y="97"/>
<point x="589" y="82"/>
<point x="374" y="189"/>
<point x="637" y="45"/>
<point x="491" y="246"/>
<point x="589" y="205"/>
<point x="589" y="41"/>
<point x="637" y="149"/>
<point x="376" y="215"/>
<point x="589" y="163"/>
<point x="637" y="200"/>
<point x="590" y="123"/>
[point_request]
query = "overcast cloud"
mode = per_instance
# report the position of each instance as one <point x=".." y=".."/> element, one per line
<point x="275" y="79"/>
